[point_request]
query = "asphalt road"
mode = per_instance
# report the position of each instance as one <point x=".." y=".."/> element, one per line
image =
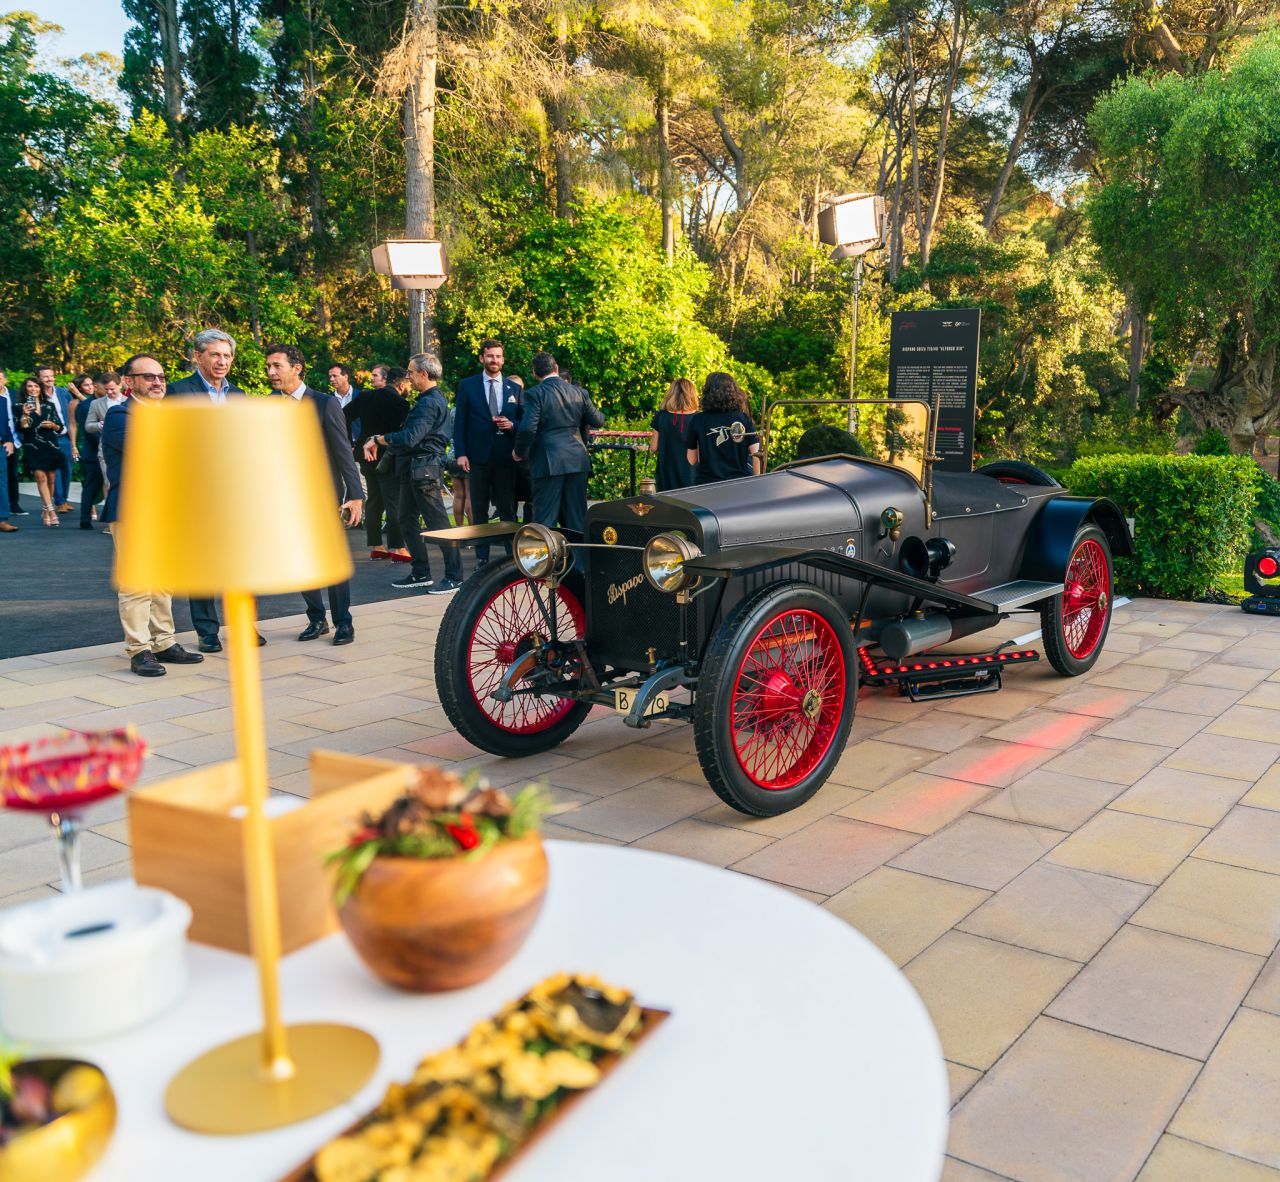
<point x="56" y="593"/>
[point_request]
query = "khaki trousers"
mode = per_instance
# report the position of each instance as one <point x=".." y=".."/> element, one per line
<point x="147" y="620"/>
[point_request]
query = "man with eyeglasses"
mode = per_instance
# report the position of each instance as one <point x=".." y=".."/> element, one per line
<point x="146" y="616"/>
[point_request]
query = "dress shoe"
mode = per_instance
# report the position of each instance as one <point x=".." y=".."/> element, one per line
<point x="210" y="644"/>
<point x="65" y="507"/>
<point x="311" y="631"/>
<point x="7" y="528"/>
<point x="344" y="633"/>
<point x="175" y="654"/>
<point x="145" y="665"/>
<point x="86" y="525"/>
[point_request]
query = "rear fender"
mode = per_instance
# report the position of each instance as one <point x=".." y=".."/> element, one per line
<point x="1048" y="546"/>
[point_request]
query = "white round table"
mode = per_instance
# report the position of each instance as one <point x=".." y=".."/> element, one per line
<point x="795" y="1049"/>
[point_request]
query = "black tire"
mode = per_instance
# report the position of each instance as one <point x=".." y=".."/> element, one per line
<point x="751" y="719"/>
<point x="1075" y="622"/>
<point x="1017" y="472"/>
<point x="487" y="624"/>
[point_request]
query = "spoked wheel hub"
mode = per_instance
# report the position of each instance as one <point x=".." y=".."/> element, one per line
<point x="788" y="699"/>
<point x="1085" y="598"/>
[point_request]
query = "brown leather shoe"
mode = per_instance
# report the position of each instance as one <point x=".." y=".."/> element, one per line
<point x="7" y="528"/>
<point x="65" y="507"/>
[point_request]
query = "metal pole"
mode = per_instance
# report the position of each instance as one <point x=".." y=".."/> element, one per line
<point x="853" y="347"/>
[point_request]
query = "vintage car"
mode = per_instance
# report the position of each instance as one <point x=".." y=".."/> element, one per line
<point x="754" y="608"/>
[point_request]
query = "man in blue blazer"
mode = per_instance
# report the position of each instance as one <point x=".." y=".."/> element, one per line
<point x="484" y="428"/>
<point x="285" y="364"/>
<point x="213" y="352"/>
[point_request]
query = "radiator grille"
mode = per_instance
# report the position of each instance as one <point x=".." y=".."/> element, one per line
<point x="620" y="632"/>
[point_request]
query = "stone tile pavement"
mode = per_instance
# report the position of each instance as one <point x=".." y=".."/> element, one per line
<point x="1080" y="877"/>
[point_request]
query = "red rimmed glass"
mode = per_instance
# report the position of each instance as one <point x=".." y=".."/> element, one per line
<point x="62" y="775"/>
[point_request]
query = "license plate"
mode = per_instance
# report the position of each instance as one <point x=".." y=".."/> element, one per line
<point x="624" y="699"/>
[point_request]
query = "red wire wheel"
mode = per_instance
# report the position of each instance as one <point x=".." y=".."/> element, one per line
<point x="491" y="623"/>
<point x="1075" y="623"/>
<point x="776" y="698"/>
<point x="786" y="704"/>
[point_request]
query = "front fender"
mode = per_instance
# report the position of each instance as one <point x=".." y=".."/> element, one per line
<point x="1048" y="546"/>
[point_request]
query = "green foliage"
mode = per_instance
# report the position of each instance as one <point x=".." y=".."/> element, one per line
<point x="595" y="292"/>
<point x="1124" y="432"/>
<point x="1212" y="443"/>
<point x="1267" y="510"/>
<point x="1193" y="517"/>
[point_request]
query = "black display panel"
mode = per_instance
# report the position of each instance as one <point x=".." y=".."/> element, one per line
<point x="933" y="355"/>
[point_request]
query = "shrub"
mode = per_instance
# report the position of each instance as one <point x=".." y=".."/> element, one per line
<point x="1212" y="443"/>
<point x="1267" y="511"/>
<point x="1193" y="517"/>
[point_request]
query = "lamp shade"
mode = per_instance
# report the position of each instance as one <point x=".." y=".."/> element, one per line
<point x="237" y="497"/>
<point x="853" y="224"/>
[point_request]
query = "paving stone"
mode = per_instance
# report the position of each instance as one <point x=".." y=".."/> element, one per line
<point x="1246" y="837"/>
<point x="613" y="771"/>
<point x="1225" y="676"/>
<point x="980" y="851"/>
<point x="936" y="732"/>
<point x="637" y="811"/>
<point x="1129" y="676"/>
<point x="1114" y="760"/>
<point x="903" y="913"/>
<point x="1232" y="1106"/>
<point x="1164" y="727"/>
<point x="1068" y="1104"/>
<point x="982" y="994"/>
<point x="1265" y="994"/>
<point x="1186" y="698"/>
<point x="989" y="761"/>
<point x="828" y="800"/>
<point x="1176" y="1160"/>
<point x="1048" y="728"/>
<point x="1057" y="910"/>
<point x="872" y="764"/>
<point x="704" y="842"/>
<point x="917" y="803"/>
<point x="1007" y="704"/>
<point x="1221" y="755"/>
<point x="1177" y="795"/>
<point x="1265" y="794"/>
<point x="1161" y="990"/>
<point x="1141" y="849"/>
<point x="1219" y="904"/>
<point x="828" y="855"/>
<point x="1052" y="799"/>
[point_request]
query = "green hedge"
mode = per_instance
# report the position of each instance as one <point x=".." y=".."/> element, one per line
<point x="1193" y="517"/>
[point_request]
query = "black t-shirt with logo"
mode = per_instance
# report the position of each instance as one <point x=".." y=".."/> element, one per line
<point x="724" y="443"/>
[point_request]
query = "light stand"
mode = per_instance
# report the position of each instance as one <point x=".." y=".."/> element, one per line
<point x="853" y="224"/>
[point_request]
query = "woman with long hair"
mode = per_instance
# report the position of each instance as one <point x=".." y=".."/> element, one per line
<point x="667" y="435"/>
<point x="721" y="439"/>
<point x="41" y="426"/>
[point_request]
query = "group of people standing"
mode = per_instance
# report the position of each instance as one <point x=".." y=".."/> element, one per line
<point x="44" y="429"/>
<point x="704" y="441"/>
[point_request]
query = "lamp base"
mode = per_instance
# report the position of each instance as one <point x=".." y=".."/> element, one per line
<point x="224" y="1091"/>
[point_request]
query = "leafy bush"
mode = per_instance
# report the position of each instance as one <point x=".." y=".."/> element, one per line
<point x="1194" y="517"/>
<point x="1267" y="510"/>
<point x="1212" y="443"/>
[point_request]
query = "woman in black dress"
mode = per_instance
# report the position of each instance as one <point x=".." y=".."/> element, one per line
<point x="41" y="426"/>
<point x="667" y="436"/>
<point x="721" y="438"/>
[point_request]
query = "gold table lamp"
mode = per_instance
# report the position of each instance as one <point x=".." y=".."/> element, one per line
<point x="237" y="500"/>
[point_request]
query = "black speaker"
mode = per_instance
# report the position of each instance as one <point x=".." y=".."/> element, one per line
<point x="1262" y="581"/>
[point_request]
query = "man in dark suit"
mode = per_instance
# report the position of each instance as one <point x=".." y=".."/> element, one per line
<point x="418" y="451"/>
<point x="378" y="410"/>
<point x="485" y="418"/>
<point x="145" y="616"/>
<point x="213" y="352"/>
<point x="285" y="364"/>
<point x="557" y="417"/>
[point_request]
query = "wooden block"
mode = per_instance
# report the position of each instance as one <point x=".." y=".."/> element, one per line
<point x="188" y="839"/>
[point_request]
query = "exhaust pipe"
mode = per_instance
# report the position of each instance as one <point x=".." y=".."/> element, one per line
<point x="905" y="637"/>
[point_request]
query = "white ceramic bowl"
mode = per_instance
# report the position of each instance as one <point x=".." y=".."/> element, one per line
<point x="91" y="963"/>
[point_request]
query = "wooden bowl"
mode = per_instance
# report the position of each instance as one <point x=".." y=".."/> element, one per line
<point x="432" y="924"/>
<point x="69" y="1146"/>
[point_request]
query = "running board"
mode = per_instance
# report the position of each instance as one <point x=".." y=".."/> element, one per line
<point x="928" y="677"/>
<point x="1008" y="596"/>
